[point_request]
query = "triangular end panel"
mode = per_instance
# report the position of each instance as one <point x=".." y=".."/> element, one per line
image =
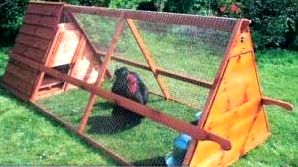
<point x="236" y="111"/>
<point x="33" y="42"/>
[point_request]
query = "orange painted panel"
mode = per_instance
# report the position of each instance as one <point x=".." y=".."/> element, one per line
<point x="258" y="133"/>
<point x="206" y="150"/>
<point x="236" y="111"/>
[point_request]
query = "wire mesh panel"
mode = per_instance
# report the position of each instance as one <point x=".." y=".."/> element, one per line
<point x="99" y="29"/>
<point x="165" y="62"/>
<point x="151" y="58"/>
<point x="185" y="49"/>
<point x="68" y="106"/>
<point x="136" y="141"/>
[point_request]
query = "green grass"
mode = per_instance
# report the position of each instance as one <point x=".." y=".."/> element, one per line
<point x="27" y="137"/>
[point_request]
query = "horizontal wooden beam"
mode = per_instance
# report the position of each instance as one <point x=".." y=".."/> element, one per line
<point x="159" y="117"/>
<point x="163" y="72"/>
<point x="219" y="23"/>
<point x="282" y="104"/>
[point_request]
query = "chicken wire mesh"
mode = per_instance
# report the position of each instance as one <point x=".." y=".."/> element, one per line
<point x="186" y="50"/>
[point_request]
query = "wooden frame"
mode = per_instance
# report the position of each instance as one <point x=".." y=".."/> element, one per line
<point x="214" y="140"/>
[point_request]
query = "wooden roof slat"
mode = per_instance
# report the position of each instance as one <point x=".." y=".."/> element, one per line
<point x="33" y="41"/>
<point x="29" y="52"/>
<point x="38" y="20"/>
<point x="38" y="31"/>
<point x="18" y="84"/>
<point x="21" y="73"/>
<point x="42" y="9"/>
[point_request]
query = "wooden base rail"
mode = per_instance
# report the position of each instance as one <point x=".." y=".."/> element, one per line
<point x="280" y="103"/>
<point x="159" y="117"/>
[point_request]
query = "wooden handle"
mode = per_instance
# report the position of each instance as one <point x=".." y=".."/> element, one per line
<point x="280" y="103"/>
<point x="224" y="143"/>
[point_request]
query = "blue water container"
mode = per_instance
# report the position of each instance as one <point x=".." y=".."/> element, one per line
<point x="171" y="161"/>
<point x="198" y="115"/>
<point x="180" y="146"/>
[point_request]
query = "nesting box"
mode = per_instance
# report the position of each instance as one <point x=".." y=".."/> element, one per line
<point x="189" y="63"/>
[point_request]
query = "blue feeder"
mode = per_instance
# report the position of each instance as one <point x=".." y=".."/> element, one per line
<point x="181" y="144"/>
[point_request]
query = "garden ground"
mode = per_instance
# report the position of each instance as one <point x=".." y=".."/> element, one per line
<point x="28" y="138"/>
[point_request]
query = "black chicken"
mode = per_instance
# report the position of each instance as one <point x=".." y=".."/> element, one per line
<point x="129" y="84"/>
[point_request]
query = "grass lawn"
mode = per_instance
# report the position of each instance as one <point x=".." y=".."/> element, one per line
<point x="27" y="138"/>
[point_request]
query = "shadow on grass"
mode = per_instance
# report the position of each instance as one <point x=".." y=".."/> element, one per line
<point x="110" y="124"/>
<point x="118" y="122"/>
<point x="156" y="161"/>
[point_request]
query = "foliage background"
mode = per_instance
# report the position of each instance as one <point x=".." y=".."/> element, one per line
<point x="274" y="22"/>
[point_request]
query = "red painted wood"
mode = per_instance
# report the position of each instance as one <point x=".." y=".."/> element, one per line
<point x="15" y="92"/>
<point x="33" y="41"/>
<point x="21" y="73"/>
<point x="46" y="21"/>
<point x="35" y="30"/>
<point x="29" y="52"/>
<point x="44" y="9"/>
<point x="18" y="84"/>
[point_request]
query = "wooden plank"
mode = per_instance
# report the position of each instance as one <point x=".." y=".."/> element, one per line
<point x="102" y="74"/>
<point x="33" y="41"/>
<point x="146" y="111"/>
<point x="15" y="92"/>
<point x="46" y="21"/>
<point x="258" y="133"/>
<point x="45" y="9"/>
<point x="21" y="73"/>
<point x="148" y="57"/>
<point x="18" y="84"/>
<point x="23" y="66"/>
<point x="280" y="103"/>
<point x="49" y="82"/>
<point x="29" y="52"/>
<point x="163" y="72"/>
<point x="35" y="30"/>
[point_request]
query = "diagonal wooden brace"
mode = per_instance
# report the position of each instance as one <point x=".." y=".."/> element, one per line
<point x="103" y="69"/>
<point x="148" y="58"/>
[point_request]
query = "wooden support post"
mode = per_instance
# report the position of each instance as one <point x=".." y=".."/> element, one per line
<point x="78" y="53"/>
<point x="148" y="57"/>
<point x="103" y="69"/>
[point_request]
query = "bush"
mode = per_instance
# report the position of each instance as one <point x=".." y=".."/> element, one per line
<point x="103" y="3"/>
<point x="126" y="4"/>
<point x="11" y="20"/>
<point x="274" y="22"/>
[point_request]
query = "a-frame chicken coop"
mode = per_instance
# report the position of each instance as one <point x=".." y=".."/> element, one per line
<point x="64" y="60"/>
